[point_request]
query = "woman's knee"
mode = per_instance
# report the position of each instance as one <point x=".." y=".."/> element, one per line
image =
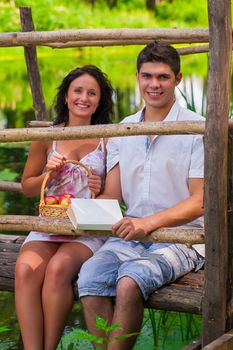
<point x="57" y="272"/>
<point x="26" y="275"/>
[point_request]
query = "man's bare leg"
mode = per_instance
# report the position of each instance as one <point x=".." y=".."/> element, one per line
<point x="128" y="314"/>
<point x="97" y="306"/>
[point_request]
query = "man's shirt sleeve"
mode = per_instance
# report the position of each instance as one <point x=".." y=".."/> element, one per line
<point x="197" y="158"/>
<point x="113" y="146"/>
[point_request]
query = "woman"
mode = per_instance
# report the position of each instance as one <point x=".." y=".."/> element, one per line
<point x="47" y="264"/>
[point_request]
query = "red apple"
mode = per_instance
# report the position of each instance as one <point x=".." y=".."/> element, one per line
<point x="65" y="195"/>
<point x="49" y="200"/>
<point x="65" y="202"/>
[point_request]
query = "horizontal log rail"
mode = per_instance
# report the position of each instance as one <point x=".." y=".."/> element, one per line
<point x="188" y="236"/>
<point x="104" y="43"/>
<point x="38" y="123"/>
<point x="10" y="186"/>
<point x="224" y="342"/>
<point x="171" y="35"/>
<point x="44" y="123"/>
<point x="109" y="130"/>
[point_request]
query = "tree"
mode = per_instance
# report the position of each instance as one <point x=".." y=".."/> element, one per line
<point x="151" y="4"/>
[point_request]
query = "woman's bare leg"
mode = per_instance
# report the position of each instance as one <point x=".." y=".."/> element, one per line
<point x="29" y="276"/>
<point x="57" y="294"/>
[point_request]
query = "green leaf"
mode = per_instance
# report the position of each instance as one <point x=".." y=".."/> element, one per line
<point x="4" y="329"/>
<point x="8" y="175"/>
<point x="112" y="327"/>
<point x="81" y="334"/>
<point x="125" y="336"/>
<point x="100" y="340"/>
<point x="101" y="324"/>
<point x="70" y="346"/>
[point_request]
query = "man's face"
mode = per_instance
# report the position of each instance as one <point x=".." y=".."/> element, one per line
<point x="157" y="83"/>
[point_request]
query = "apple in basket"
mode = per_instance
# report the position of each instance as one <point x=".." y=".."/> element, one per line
<point x="65" y="199"/>
<point x="50" y="200"/>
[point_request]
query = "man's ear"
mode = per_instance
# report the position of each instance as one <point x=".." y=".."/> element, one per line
<point x="137" y="74"/>
<point x="178" y="78"/>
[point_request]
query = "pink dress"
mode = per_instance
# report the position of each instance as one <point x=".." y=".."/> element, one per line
<point x="72" y="178"/>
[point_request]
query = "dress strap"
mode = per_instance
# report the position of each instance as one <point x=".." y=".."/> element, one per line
<point x="54" y="145"/>
<point x="102" y="144"/>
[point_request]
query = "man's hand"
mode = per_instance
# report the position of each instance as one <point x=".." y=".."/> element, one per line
<point x="130" y="228"/>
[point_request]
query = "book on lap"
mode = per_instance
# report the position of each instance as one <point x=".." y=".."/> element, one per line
<point x="94" y="214"/>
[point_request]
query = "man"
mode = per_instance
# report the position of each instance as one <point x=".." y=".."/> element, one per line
<point x="160" y="179"/>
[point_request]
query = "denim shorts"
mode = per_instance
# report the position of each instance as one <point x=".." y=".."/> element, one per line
<point x="150" y="265"/>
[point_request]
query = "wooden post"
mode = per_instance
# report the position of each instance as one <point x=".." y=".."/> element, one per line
<point x="32" y="66"/>
<point x="216" y="145"/>
<point x="230" y="231"/>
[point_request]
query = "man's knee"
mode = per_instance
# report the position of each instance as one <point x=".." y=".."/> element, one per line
<point x="128" y="290"/>
<point x="86" y="274"/>
<point x="98" y="275"/>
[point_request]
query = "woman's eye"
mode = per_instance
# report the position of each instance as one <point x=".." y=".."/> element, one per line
<point x="92" y="93"/>
<point x="77" y="91"/>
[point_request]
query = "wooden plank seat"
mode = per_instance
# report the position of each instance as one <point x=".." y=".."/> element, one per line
<point x="183" y="295"/>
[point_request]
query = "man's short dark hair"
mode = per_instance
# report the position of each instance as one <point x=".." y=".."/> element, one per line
<point x="158" y="51"/>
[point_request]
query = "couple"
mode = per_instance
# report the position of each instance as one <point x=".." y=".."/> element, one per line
<point x="160" y="179"/>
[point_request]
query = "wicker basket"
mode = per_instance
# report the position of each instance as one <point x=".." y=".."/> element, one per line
<point x="56" y="210"/>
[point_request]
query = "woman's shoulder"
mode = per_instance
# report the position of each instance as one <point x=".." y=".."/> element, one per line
<point x="40" y="148"/>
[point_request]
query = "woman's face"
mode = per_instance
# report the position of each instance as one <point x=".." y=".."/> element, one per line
<point x="83" y="97"/>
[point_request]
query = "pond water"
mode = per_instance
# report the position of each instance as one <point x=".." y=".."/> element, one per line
<point x="16" y="109"/>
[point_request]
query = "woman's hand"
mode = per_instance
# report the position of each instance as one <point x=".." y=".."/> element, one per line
<point x="94" y="184"/>
<point x="55" y="162"/>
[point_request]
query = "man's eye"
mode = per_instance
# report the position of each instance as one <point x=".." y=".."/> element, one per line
<point x="164" y="77"/>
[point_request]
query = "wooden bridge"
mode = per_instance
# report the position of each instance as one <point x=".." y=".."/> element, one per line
<point x="210" y="291"/>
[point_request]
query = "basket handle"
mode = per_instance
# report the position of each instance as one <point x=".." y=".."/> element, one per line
<point x="44" y="182"/>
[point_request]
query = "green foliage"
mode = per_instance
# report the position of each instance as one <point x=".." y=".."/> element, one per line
<point x="168" y="330"/>
<point x="160" y="330"/>
<point x="193" y="14"/>
<point x="4" y="329"/>
<point x="118" y="62"/>
<point x="57" y="14"/>
<point x="101" y="325"/>
<point x="8" y="175"/>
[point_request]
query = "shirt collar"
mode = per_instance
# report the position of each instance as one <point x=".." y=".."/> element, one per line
<point x="173" y="113"/>
<point x="171" y="116"/>
<point x="142" y="114"/>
